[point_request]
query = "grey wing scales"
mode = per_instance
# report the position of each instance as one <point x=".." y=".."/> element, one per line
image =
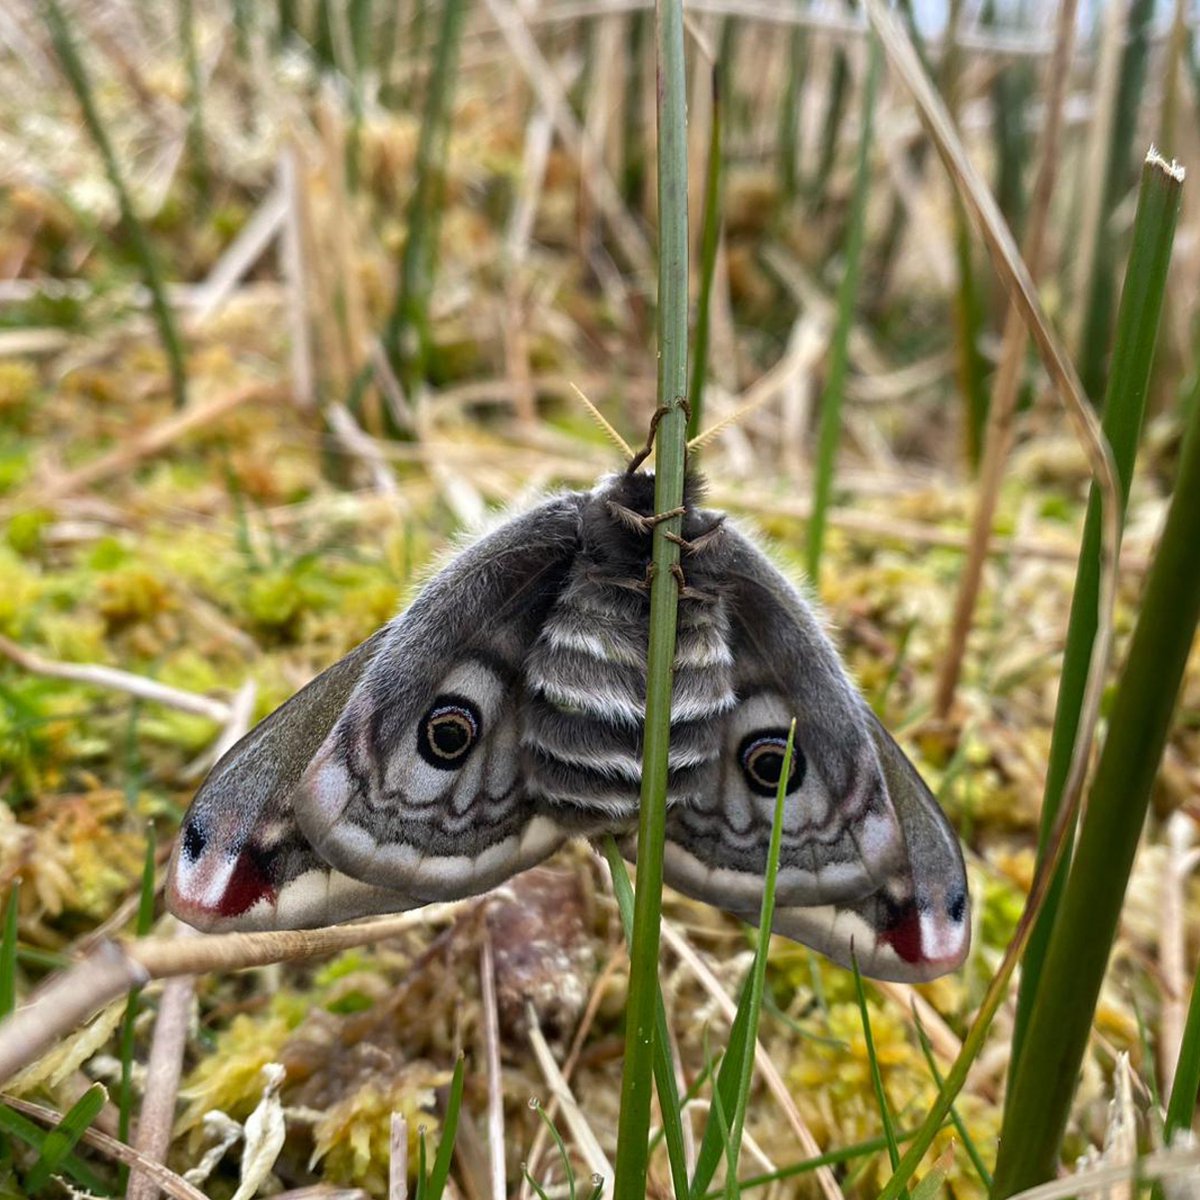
<point x="419" y="785"/>
<point x="241" y="861"/>
<point x="841" y="836"/>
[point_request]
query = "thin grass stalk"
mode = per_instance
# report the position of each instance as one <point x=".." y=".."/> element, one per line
<point x="758" y="971"/>
<point x="640" y="1025"/>
<point x="885" y="1112"/>
<point x="669" y="1102"/>
<point x="197" y="153"/>
<point x="406" y="338"/>
<point x="835" y="111"/>
<point x="967" y="304"/>
<point x="710" y="237"/>
<point x="445" y="1151"/>
<point x="1098" y="310"/>
<point x="1177" y="49"/>
<point x="1124" y="407"/>
<point x="790" y="124"/>
<point x="1060" y="1025"/>
<point x="830" y="428"/>
<point x="145" y="919"/>
<point x="73" y="68"/>
<point x="8" y="951"/>
<point x="1002" y="410"/>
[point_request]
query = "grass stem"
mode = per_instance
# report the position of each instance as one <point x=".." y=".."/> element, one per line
<point x="640" y="1018"/>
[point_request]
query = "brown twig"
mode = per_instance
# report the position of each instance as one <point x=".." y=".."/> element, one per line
<point x="122" y="681"/>
<point x="491" y="1049"/>
<point x="113" y="968"/>
<point x="1000" y="427"/>
<point x="163" y="1072"/>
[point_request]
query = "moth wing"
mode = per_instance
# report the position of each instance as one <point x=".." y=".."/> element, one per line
<point x="241" y="861"/>
<point x="918" y="925"/>
<point x="420" y="785"/>
<point x="841" y="836"/>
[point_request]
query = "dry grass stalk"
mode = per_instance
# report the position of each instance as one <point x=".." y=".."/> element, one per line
<point x="1007" y="260"/>
<point x="491" y="1051"/>
<point x="1000" y="427"/>
<point x="293" y="268"/>
<point x="1182" y="857"/>
<point x="398" y="1159"/>
<point x="163" y="1072"/>
<point x="122" y="681"/>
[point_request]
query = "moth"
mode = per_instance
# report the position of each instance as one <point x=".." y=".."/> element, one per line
<point x="502" y="713"/>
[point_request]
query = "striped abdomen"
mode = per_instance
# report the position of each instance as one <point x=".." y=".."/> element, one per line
<point x="585" y="699"/>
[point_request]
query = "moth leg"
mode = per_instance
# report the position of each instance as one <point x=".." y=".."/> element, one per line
<point x="702" y="541"/>
<point x="644" y="453"/>
<point x="638" y="523"/>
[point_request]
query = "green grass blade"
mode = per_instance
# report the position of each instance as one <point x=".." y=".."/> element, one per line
<point x="8" y="952"/>
<point x="1182" y="1105"/>
<point x="568" y="1170"/>
<point x="830" y="430"/>
<point x="831" y="126"/>
<point x="19" y="1126"/>
<point x="422" y="1192"/>
<point x="664" y="1071"/>
<point x="62" y="1139"/>
<point x="968" y="1142"/>
<point x="642" y="1009"/>
<point x="1060" y="1022"/>
<point x="1126" y="110"/>
<point x="885" y="1112"/>
<point x="73" y="68"/>
<point x="709" y="239"/>
<point x="758" y="972"/>
<point x="445" y="1150"/>
<point x="713" y="1143"/>
<point x="789" y="114"/>
<point x="1124" y="407"/>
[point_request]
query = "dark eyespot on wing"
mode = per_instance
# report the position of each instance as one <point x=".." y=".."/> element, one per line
<point x="448" y="731"/>
<point x="194" y="840"/>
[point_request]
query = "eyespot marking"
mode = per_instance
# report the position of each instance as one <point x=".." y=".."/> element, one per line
<point x="761" y="756"/>
<point x="956" y="906"/>
<point x="194" y="841"/>
<point x="448" y="731"/>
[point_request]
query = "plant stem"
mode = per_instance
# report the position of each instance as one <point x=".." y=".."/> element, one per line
<point x="64" y="46"/>
<point x="830" y="430"/>
<point x="709" y="238"/>
<point x="634" y="1124"/>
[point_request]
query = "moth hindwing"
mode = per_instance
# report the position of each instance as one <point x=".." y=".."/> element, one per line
<point x="503" y="712"/>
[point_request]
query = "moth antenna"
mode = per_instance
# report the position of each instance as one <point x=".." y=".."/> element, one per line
<point x="738" y="414"/>
<point x="604" y="424"/>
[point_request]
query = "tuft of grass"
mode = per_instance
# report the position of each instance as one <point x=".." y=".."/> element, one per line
<point x="1124" y="407"/>
<point x="73" y="68"/>
<point x="641" y="1011"/>
<point x="1060" y="1022"/>
<point x="829" y="433"/>
<point x="17" y="1125"/>
<point x="61" y="1140"/>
